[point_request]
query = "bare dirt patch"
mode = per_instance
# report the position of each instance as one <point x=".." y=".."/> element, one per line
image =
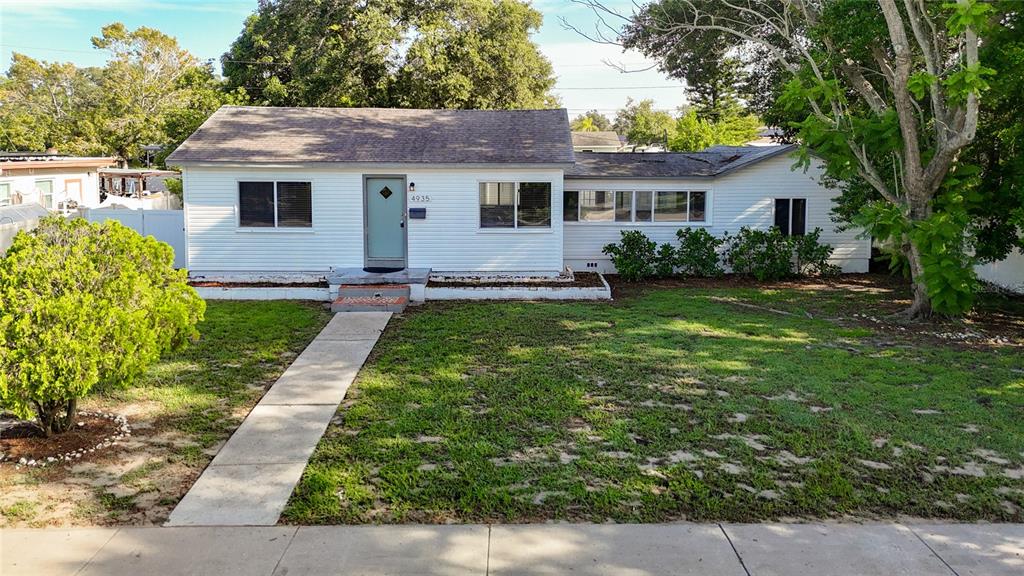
<point x="25" y="441"/>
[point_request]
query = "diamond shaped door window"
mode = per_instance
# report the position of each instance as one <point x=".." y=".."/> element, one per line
<point x="386" y="192"/>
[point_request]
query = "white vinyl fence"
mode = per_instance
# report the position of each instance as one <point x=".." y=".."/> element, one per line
<point x="164" y="225"/>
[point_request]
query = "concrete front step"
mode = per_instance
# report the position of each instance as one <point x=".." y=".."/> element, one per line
<point x="373" y="290"/>
<point x="370" y="304"/>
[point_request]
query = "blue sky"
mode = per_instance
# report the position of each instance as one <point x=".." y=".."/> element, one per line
<point x="61" y="29"/>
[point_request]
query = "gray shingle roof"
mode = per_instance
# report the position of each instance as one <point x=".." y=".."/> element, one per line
<point x="711" y="162"/>
<point x="265" y="135"/>
<point x="601" y="138"/>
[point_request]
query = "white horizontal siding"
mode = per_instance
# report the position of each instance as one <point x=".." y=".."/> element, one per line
<point x="744" y="198"/>
<point x="448" y="239"/>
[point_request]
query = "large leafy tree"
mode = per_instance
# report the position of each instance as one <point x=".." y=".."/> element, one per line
<point x="642" y="124"/>
<point x="592" y="121"/>
<point x="49" y="104"/>
<point x="694" y="132"/>
<point x="887" y="93"/>
<point x="440" y="54"/>
<point x="140" y="84"/>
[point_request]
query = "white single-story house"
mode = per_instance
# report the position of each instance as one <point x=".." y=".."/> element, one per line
<point x="317" y="190"/>
<point x="53" y="181"/>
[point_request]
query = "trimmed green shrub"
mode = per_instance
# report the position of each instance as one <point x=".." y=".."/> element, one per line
<point x="810" y="256"/>
<point x="665" y="261"/>
<point x="763" y="254"/>
<point x="633" y="256"/>
<point x="85" y="306"/>
<point x="697" y="254"/>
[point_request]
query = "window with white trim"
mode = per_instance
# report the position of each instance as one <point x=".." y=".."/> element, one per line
<point x="44" y="188"/>
<point x="791" y="216"/>
<point x="515" y="205"/>
<point x="635" y="206"/>
<point x="275" y="205"/>
<point x="5" y="194"/>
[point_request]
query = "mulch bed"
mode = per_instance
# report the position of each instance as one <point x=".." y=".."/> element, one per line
<point x="24" y="440"/>
<point x="211" y="284"/>
<point x="580" y="280"/>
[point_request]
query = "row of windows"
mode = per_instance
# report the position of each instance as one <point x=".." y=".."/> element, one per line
<point x="44" y="188"/>
<point x="511" y="205"/>
<point x="638" y="206"/>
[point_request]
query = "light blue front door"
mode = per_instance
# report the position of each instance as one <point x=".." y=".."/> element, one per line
<point x="385" y="222"/>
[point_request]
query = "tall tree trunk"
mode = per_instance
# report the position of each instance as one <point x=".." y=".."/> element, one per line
<point x="921" y="307"/>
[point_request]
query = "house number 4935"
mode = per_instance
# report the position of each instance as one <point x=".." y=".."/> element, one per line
<point x="419" y="198"/>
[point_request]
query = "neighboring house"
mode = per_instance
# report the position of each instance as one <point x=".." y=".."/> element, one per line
<point x="139" y="188"/>
<point x="315" y="190"/>
<point x="1008" y="273"/>
<point x="50" y="180"/>
<point x="767" y="137"/>
<point x="603" y="141"/>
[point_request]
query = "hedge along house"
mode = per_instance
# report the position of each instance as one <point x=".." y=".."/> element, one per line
<point x="301" y="192"/>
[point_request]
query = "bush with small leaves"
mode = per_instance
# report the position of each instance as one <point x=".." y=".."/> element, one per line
<point x="763" y="254"/>
<point x="811" y="257"/>
<point x="665" y="261"/>
<point x="697" y="254"/>
<point x="633" y="256"/>
<point x="85" y="306"/>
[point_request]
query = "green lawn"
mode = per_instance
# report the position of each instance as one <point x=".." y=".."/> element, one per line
<point x="671" y="404"/>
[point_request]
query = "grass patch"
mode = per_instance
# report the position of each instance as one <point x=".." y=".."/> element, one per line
<point x="669" y="404"/>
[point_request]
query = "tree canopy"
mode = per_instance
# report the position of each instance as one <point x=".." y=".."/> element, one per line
<point x="150" y="92"/>
<point x="887" y="94"/>
<point x="401" y="53"/>
<point x="592" y="121"/>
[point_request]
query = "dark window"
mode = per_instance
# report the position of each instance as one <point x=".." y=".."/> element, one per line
<point x="270" y="204"/>
<point x="597" y="206"/>
<point x="670" y="207"/>
<point x="791" y="216"/>
<point x="782" y="215"/>
<point x="697" y="201"/>
<point x="497" y="204"/>
<point x="256" y="204"/>
<point x="570" y="206"/>
<point x="623" y="206"/>
<point x="644" y="206"/>
<point x="799" y="211"/>
<point x="534" y="209"/>
<point x="294" y="205"/>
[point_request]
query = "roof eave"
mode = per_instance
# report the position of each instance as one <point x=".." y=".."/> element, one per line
<point x="369" y="165"/>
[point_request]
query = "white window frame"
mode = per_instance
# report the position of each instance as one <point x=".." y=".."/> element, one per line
<point x="515" y="209"/>
<point x="632" y="211"/>
<point x="807" y="209"/>
<point x="275" y="229"/>
<point x="53" y="191"/>
<point x="9" y="201"/>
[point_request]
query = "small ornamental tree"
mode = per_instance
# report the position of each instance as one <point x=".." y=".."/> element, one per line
<point x="85" y="306"/>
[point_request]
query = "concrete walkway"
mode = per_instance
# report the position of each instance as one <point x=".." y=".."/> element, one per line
<point x="249" y="481"/>
<point x="582" y="549"/>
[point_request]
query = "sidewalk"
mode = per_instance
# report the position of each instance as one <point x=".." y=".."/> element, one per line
<point x="249" y="481"/>
<point x="585" y="549"/>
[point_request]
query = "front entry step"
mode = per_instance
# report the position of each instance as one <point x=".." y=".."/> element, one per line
<point x="371" y="298"/>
